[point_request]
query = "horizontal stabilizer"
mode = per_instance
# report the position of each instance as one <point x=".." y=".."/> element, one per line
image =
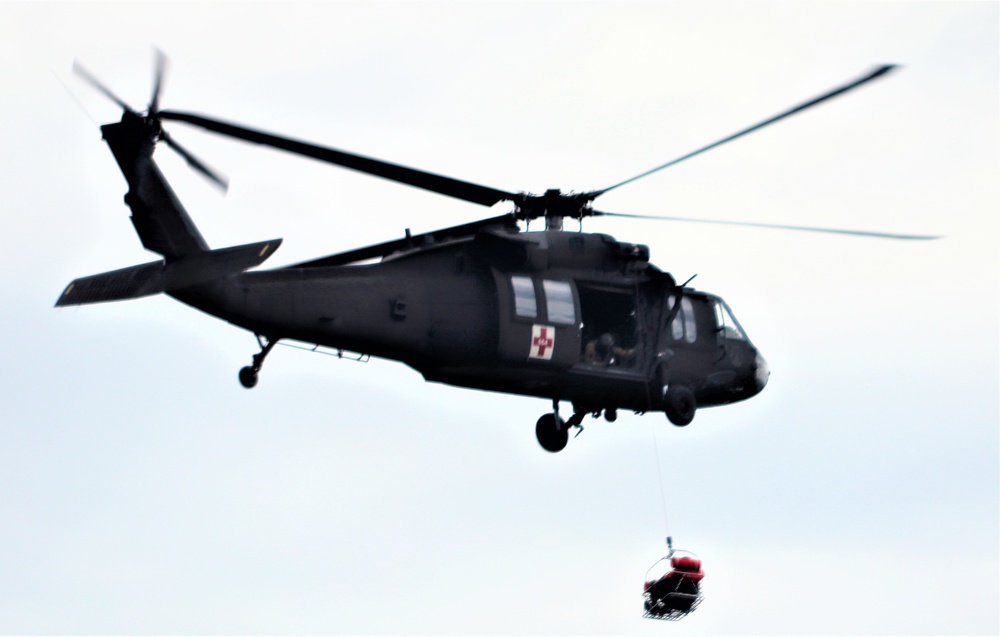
<point x="127" y="283"/>
<point x="153" y="278"/>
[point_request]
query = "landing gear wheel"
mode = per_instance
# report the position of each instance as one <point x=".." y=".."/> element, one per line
<point x="248" y="377"/>
<point x="680" y="405"/>
<point x="552" y="433"/>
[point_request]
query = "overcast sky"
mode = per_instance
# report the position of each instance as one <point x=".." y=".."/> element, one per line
<point x="143" y="490"/>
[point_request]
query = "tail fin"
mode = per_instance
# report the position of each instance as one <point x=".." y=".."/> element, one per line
<point x="166" y="276"/>
<point x="163" y="226"/>
<point x="162" y="223"/>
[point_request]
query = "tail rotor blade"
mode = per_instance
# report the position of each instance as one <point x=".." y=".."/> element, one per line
<point x="85" y="75"/>
<point x="153" y="115"/>
<point x="161" y="68"/>
<point x="195" y="163"/>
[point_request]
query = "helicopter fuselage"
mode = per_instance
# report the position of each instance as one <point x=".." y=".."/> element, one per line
<point x="520" y="313"/>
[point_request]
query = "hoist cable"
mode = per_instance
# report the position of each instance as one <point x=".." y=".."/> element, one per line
<point x="659" y="475"/>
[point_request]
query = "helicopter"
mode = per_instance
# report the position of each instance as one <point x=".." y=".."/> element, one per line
<point x="554" y="314"/>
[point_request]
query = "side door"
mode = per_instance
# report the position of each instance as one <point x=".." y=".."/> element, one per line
<point x="539" y="319"/>
<point x="613" y="334"/>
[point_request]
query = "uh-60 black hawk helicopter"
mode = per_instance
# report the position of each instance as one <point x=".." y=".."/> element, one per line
<point x="566" y="316"/>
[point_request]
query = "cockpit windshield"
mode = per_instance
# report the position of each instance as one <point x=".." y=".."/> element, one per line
<point x="727" y="323"/>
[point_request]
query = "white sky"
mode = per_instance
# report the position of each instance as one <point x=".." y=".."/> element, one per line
<point x="143" y="490"/>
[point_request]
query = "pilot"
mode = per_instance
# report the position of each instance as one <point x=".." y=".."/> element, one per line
<point x="602" y="352"/>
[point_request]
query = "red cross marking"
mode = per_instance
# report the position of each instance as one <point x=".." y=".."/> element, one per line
<point x="543" y="341"/>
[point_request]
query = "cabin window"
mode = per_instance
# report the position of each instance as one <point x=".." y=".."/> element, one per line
<point x="676" y="325"/>
<point x="690" y="330"/>
<point x="524" y="297"/>
<point x="683" y="326"/>
<point x="559" y="302"/>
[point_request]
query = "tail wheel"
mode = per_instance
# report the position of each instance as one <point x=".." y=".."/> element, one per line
<point x="680" y="405"/>
<point x="248" y="377"/>
<point x="552" y="433"/>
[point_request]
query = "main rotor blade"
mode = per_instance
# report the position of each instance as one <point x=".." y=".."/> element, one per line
<point x="93" y="81"/>
<point x="878" y="72"/>
<point x="464" y="190"/>
<point x="774" y="226"/>
<point x="195" y="163"/>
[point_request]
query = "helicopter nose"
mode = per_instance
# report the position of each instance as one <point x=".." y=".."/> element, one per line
<point x="761" y="372"/>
